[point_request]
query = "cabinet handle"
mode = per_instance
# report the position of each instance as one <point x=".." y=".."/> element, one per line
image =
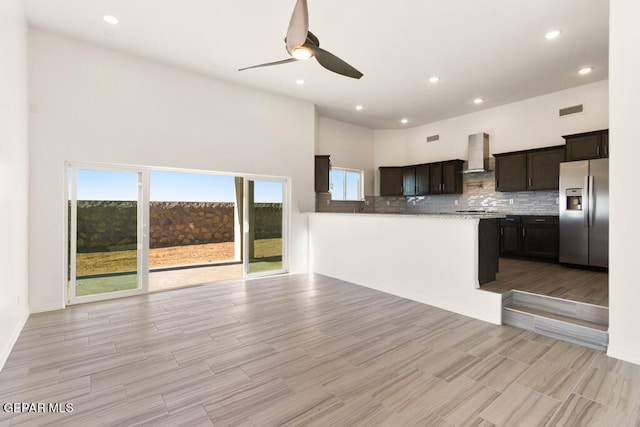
<point x="523" y="233"/>
<point x="606" y="149"/>
<point x="540" y="220"/>
<point x="598" y="150"/>
<point x="530" y="181"/>
<point x="502" y="231"/>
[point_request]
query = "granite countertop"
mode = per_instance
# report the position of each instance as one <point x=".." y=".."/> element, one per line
<point x="443" y="215"/>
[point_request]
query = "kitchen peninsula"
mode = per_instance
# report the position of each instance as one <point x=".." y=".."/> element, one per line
<point x="433" y="259"/>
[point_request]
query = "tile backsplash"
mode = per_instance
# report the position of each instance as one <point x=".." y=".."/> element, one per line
<point x="478" y="193"/>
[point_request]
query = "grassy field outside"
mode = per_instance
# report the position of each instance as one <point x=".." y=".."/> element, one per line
<point x="112" y="266"/>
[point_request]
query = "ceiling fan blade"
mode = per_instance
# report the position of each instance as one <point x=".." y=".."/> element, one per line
<point x="298" y="26"/>
<point x="332" y="63"/>
<point x="284" y="61"/>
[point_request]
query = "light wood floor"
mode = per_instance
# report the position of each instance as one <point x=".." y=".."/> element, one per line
<point x="304" y="350"/>
<point x="575" y="284"/>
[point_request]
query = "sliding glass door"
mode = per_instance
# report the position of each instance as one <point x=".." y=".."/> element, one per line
<point x="105" y="233"/>
<point x="118" y="226"/>
<point x="265" y="227"/>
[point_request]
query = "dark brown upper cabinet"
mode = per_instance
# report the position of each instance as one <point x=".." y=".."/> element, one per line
<point x="543" y="168"/>
<point x="511" y="171"/>
<point x="446" y="177"/>
<point x="409" y="181"/>
<point x="435" y="178"/>
<point x="422" y="179"/>
<point x="588" y="145"/>
<point x="322" y="170"/>
<point x="529" y="170"/>
<point x="391" y="180"/>
<point x="415" y="180"/>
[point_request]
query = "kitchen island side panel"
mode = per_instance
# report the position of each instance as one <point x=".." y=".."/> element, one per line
<point x="432" y="259"/>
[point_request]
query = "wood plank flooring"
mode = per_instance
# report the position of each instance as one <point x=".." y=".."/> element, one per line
<point x="555" y="280"/>
<point x="303" y="350"/>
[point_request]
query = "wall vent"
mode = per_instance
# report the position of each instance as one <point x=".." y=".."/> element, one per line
<point x="433" y="138"/>
<point x="570" y="110"/>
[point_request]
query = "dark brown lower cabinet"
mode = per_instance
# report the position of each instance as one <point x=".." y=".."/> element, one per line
<point x="530" y="236"/>
<point x="488" y="252"/>
<point x="541" y="237"/>
<point x="510" y="235"/>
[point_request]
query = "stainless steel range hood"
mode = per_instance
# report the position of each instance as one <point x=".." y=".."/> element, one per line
<point x="478" y="160"/>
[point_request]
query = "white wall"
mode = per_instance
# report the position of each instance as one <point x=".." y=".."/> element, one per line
<point x="389" y="149"/>
<point x="94" y="104"/>
<point x="350" y="146"/>
<point x="531" y="123"/>
<point x="389" y="253"/>
<point x="624" y="284"/>
<point x="14" y="177"/>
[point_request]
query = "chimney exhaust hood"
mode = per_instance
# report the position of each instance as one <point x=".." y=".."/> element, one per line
<point x="478" y="153"/>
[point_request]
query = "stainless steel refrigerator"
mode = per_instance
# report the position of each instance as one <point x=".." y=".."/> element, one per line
<point x="584" y="212"/>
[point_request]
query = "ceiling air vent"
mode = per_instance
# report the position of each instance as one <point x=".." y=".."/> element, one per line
<point x="433" y="138"/>
<point x="570" y="110"/>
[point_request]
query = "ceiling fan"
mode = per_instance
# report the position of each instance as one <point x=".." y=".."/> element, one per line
<point x="303" y="44"/>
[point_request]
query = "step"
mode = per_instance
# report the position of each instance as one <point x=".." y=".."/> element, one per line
<point x="578" y="323"/>
<point x="575" y="309"/>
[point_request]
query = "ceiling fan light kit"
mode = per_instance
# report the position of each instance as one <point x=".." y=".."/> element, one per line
<point x="301" y="53"/>
<point x="302" y="44"/>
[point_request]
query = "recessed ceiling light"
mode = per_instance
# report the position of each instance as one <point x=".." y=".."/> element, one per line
<point x="478" y="100"/>
<point x="586" y="70"/>
<point x="359" y="107"/>
<point x="404" y="121"/>
<point x="434" y="79"/>
<point x="110" y="19"/>
<point x="300" y="82"/>
<point x="552" y="34"/>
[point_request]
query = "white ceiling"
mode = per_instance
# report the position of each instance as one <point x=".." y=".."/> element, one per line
<point x="494" y="49"/>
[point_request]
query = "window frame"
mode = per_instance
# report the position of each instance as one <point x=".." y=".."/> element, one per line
<point x="360" y="195"/>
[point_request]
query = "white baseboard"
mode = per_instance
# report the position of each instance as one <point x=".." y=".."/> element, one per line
<point x="4" y="354"/>
<point x="48" y="307"/>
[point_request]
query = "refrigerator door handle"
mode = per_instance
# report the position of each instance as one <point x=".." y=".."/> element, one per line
<point x="591" y="205"/>
<point x="586" y="206"/>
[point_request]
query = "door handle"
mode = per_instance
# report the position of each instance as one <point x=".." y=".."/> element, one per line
<point x="586" y="206"/>
<point x="591" y="201"/>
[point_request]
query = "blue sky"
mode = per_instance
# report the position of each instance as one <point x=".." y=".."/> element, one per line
<point x="169" y="186"/>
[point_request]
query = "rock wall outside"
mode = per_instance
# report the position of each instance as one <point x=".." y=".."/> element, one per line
<point x="111" y="225"/>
